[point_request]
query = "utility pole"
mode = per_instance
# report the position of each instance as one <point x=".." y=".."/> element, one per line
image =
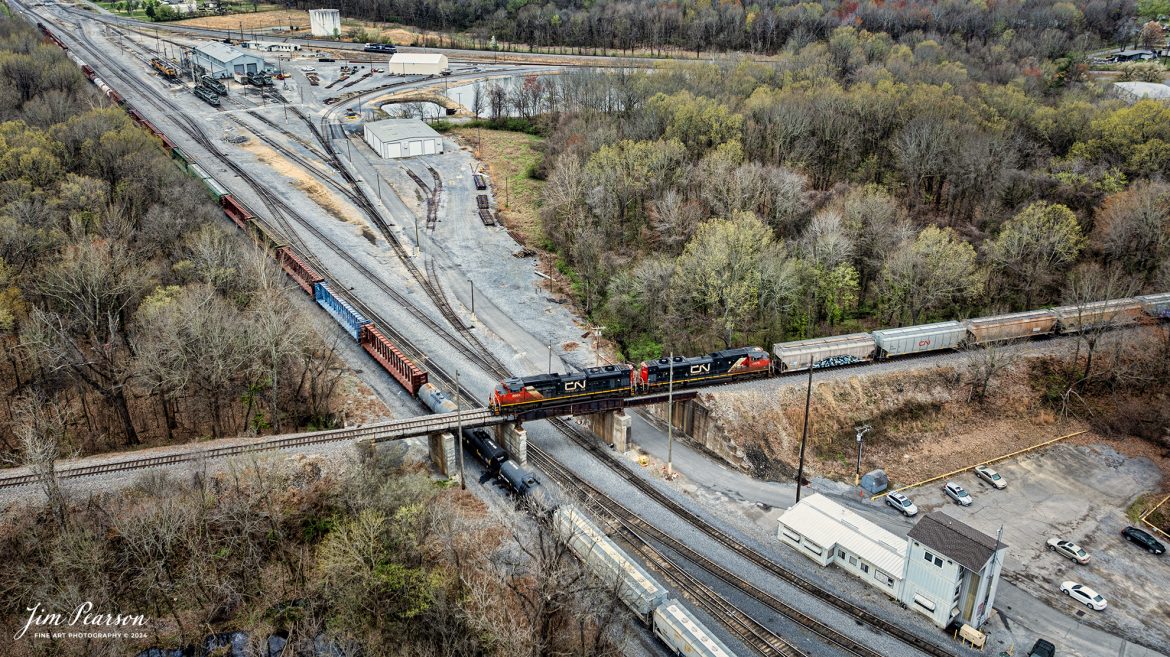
<point x="861" y="431"/>
<point x="596" y="343"/>
<point x="417" y="244"/>
<point x="550" y="358"/>
<point x="670" y="421"/>
<point x="459" y="433"/>
<point x="804" y="432"/>
<point x="472" y="301"/>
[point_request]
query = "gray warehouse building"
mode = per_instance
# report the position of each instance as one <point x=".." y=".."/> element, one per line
<point x="396" y="138"/>
<point x="223" y="61"/>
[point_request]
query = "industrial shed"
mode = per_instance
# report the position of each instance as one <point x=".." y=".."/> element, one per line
<point x="417" y="63"/>
<point x="396" y="138"/>
<point x="220" y="60"/>
<point x="827" y="532"/>
<point x="1135" y="91"/>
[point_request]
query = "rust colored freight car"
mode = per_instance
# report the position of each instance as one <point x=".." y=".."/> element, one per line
<point x="236" y="211"/>
<point x="399" y="366"/>
<point x="296" y="268"/>
<point x="1098" y="314"/>
<point x="1015" y="326"/>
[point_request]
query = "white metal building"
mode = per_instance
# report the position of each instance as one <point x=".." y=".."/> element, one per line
<point x="952" y="571"/>
<point x="223" y="61"/>
<point x="417" y="63"/>
<point x="1135" y="91"/>
<point x="828" y="533"/>
<point x="271" y="46"/>
<point x="325" y="22"/>
<point x="396" y="138"/>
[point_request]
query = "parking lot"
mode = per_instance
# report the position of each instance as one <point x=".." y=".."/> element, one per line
<point x="1079" y="493"/>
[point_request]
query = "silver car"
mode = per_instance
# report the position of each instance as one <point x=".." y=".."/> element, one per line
<point x="956" y="493"/>
<point x="1068" y="549"/>
<point x="990" y="476"/>
<point x="901" y="503"/>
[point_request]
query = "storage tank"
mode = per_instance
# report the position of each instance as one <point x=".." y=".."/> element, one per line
<point x="636" y="588"/>
<point x="435" y="399"/>
<point x="917" y="339"/>
<point x="825" y="352"/>
<point x="1011" y="327"/>
<point x="325" y="22"/>
<point x="1156" y="305"/>
<point x="1097" y="314"/>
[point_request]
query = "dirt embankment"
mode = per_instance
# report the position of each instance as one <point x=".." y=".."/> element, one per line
<point x="923" y="424"/>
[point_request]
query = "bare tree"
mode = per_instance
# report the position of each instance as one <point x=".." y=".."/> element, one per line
<point x="1087" y="284"/>
<point x="985" y="362"/>
<point x="40" y="426"/>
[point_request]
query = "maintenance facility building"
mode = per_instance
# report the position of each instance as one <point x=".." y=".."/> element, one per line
<point x="395" y="138"/>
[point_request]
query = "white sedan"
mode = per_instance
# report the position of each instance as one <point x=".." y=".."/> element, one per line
<point x="1084" y="595"/>
<point x="308" y="69"/>
<point x="1068" y="549"/>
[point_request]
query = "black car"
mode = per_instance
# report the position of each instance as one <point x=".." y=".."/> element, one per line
<point x="1042" y="648"/>
<point x="1151" y="544"/>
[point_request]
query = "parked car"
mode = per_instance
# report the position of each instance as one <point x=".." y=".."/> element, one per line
<point x="956" y="493"/>
<point x="1068" y="549"/>
<point x="1042" y="648"/>
<point x="901" y="503"/>
<point x="308" y="69"/>
<point x="1084" y="595"/>
<point x="1151" y="544"/>
<point x="990" y="476"/>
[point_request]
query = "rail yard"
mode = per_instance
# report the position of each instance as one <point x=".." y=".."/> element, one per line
<point x="374" y="261"/>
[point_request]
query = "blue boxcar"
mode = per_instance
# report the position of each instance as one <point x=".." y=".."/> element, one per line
<point x="350" y="319"/>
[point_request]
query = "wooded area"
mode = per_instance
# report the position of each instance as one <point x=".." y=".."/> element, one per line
<point x="376" y="561"/>
<point x="1046" y="28"/>
<point x="855" y="182"/>
<point x="130" y="311"/>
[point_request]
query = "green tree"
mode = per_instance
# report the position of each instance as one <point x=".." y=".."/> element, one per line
<point x="697" y="121"/>
<point x="717" y="278"/>
<point x="936" y="272"/>
<point x="1041" y="241"/>
<point x="837" y="291"/>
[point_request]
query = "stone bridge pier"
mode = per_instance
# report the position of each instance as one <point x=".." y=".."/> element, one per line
<point x="513" y="438"/>
<point x="612" y="427"/>
<point x="443" y="454"/>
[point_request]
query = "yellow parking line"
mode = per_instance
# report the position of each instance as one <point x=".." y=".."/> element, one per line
<point x="969" y="467"/>
<point x="1152" y="525"/>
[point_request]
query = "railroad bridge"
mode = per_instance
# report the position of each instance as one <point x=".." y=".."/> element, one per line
<point x="607" y="419"/>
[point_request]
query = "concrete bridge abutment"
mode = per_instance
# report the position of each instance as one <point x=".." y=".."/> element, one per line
<point x="443" y="454"/>
<point x="612" y="427"/>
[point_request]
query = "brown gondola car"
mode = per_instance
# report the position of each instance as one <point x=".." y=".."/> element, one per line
<point x="388" y="356"/>
<point x="297" y="269"/>
<point x="263" y="235"/>
<point x="236" y="211"/>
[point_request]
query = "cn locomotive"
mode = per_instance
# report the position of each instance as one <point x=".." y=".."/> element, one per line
<point x="624" y="380"/>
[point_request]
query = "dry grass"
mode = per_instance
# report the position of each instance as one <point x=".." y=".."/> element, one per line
<point x="303" y="181"/>
<point x="252" y="21"/>
<point x="509" y="156"/>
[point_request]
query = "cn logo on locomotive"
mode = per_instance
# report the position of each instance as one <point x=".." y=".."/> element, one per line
<point x="570" y="386"/>
<point x="701" y="369"/>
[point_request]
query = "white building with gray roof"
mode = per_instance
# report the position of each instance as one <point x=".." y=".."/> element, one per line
<point x="221" y="60"/>
<point x="395" y="138"/>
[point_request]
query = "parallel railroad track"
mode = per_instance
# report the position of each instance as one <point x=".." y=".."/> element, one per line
<point x="749" y="630"/>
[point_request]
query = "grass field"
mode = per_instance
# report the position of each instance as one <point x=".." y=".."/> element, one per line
<point x="509" y="156"/>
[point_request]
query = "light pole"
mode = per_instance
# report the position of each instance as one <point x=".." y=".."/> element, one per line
<point x="550" y="358"/>
<point x="670" y="421"/>
<point x="804" y="432"/>
<point x="459" y="433"/>
<point x="596" y="343"/>
<point x="472" y="301"/>
<point x="861" y="431"/>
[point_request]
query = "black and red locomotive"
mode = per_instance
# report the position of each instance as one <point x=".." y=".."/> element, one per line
<point x="623" y="380"/>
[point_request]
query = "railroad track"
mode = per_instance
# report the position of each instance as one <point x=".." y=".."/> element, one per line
<point x="749" y="630"/>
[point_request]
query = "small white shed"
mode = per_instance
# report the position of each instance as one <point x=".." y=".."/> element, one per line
<point x="395" y="138"/>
